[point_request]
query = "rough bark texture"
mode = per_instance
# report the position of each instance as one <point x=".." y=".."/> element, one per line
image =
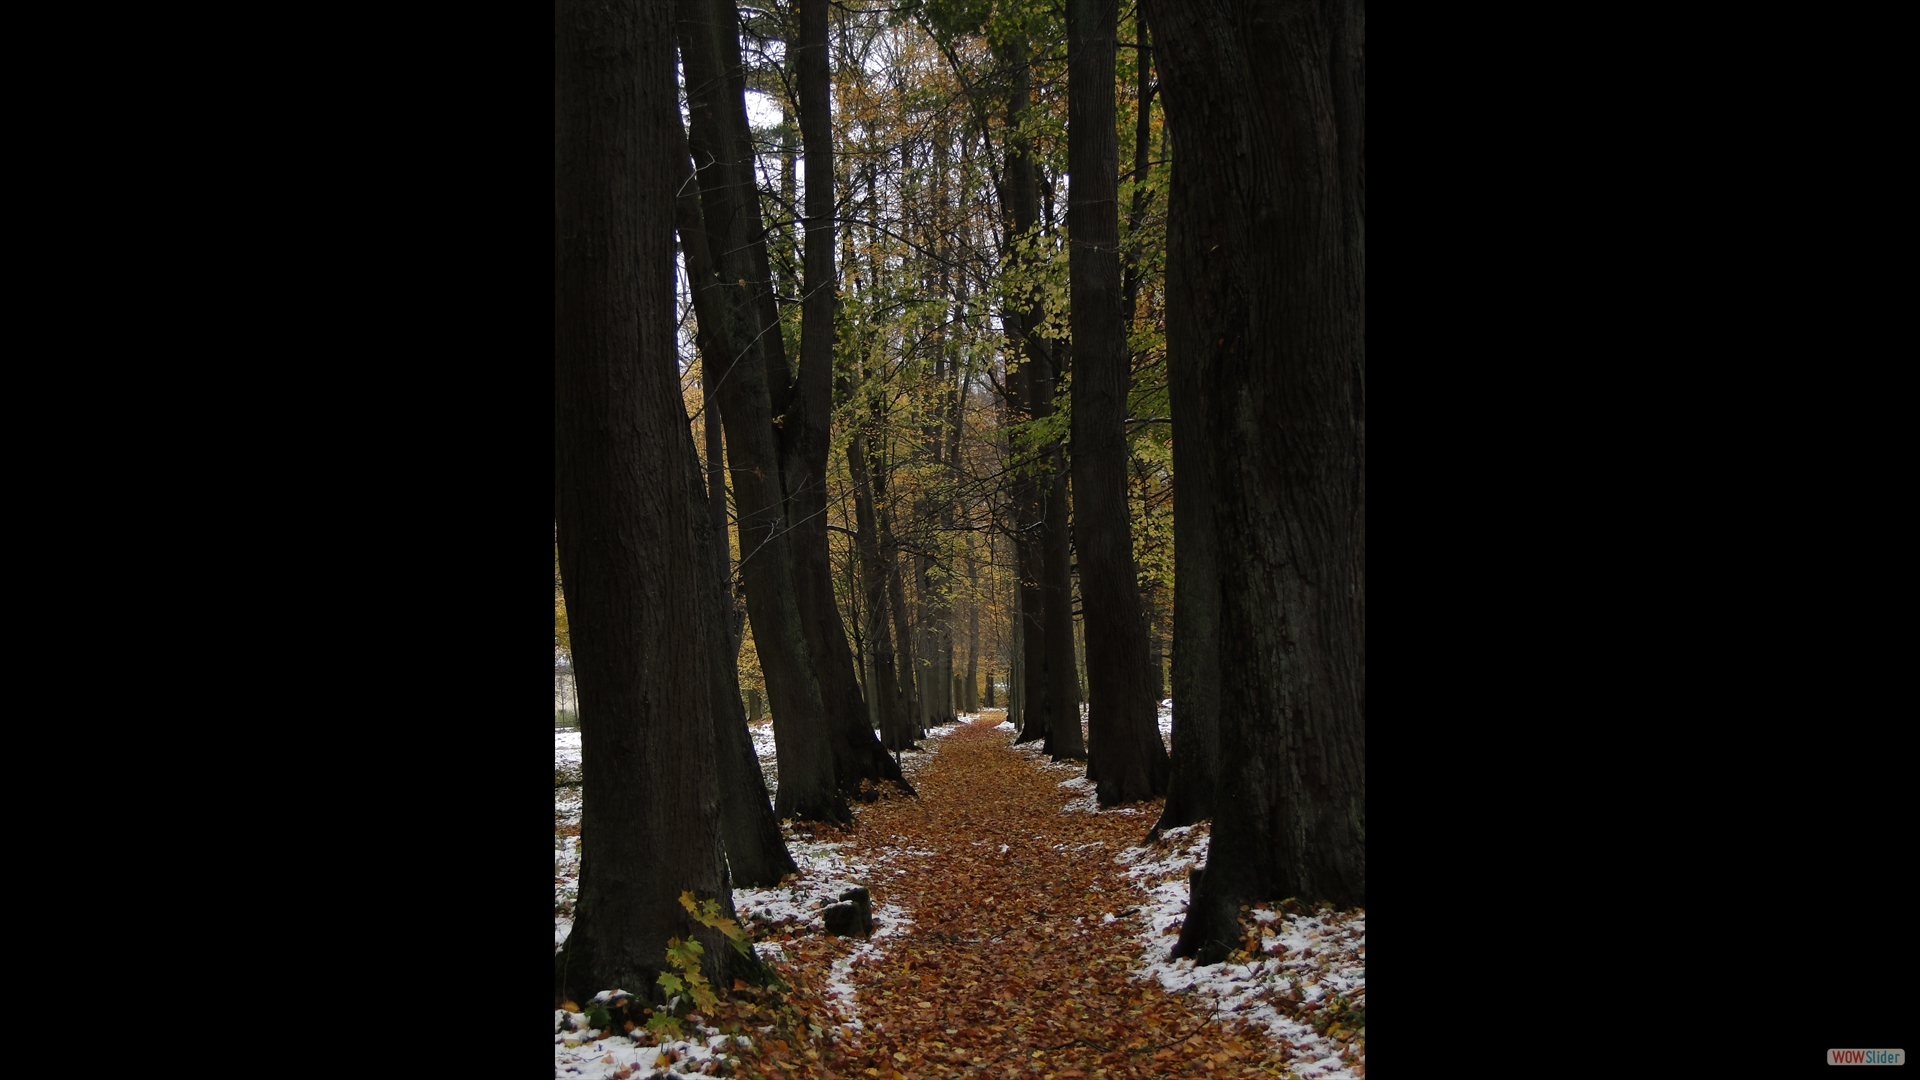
<point x="1124" y="753"/>
<point x="1267" y="106"/>
<point x="738" y="301"/>
<point x="623" y="510"/>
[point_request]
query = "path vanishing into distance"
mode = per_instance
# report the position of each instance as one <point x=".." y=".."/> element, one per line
<point x="1023" y="939"/>
<point x="1011" y="941"/>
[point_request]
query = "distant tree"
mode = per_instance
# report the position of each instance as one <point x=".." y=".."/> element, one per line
<point x="622" y="514"/>
<point x="1050" y="697"/>
<point x="1267" y="105"/>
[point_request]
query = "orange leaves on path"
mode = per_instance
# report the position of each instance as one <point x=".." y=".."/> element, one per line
<point x="1018" y="959"/>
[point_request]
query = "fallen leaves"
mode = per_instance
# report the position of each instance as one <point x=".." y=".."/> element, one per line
<point x="1013" y="961"/>
<point x="1020" y="951"/>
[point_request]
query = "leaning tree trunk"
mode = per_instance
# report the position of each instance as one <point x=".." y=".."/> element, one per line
<point x="1124" y="754"/>
<point x="1267" y="103"/>
<point x="737" y="299"/>
<point x="757" y="856"/>
<point x="622" y="509"/>
<point x="805" y="434"/>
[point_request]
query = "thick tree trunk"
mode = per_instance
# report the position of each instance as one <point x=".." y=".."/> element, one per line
<point x="1206" y="265"/>
<point x="805" y="435"/>
<point x="1267" y="105"/>
<point x="739" y="302"/>
<point x="1125" y="755"/>
<point x="757" y="856"/>
<point x="1142" y="131"/>
<point x="623" y="511"/>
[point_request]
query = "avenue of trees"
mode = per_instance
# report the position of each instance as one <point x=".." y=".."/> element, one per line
<point x="1016" y="355"/>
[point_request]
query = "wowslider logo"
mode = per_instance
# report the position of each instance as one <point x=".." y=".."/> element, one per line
<point x="1866" y="1057"/>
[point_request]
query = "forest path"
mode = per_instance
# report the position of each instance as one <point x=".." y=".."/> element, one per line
<point x="1019" y="957"/>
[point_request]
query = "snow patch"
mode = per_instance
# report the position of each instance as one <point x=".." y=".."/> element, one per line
<point x="580" y="1051"/>
<point x="1308" y="961"/>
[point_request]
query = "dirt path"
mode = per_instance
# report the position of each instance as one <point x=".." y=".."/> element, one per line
<point x="1022" y="939"/>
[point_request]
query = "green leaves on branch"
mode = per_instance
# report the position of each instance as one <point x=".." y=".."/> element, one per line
<point x="686" y="987"/>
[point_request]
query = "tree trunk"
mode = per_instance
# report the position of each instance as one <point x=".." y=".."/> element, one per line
<point x="902" y="623"/>
<point x="738" y="301"/>
<point x="1205" y="291"/>
<point x="1142" y="131"/>
<point x="1061" y="668"/>
<point x="757" y="856"/>
<point x="1029" y="551"/>
<point x="623" y="511"/>
<point x="1124" y="754"/>
<point x="1267" y="105"/>
<point x="805" y="435"/>
<point x="1050" y="699"/>
<point x="969" y="697"/>
<point x="891" y="704"/>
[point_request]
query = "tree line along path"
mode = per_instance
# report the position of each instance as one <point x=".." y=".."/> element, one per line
<point x="1012" y="940"/>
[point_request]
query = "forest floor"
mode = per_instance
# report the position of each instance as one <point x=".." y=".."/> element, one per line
<point x="1018" y="933"/>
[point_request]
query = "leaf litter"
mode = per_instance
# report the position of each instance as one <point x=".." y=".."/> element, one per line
<point x="1019" y="931"/>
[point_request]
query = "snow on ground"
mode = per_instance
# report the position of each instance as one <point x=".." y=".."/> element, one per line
<point x="1309" y="963"/>
<point x="579" y="1051"/>
<point x="566" y="756"/>
<point x="825" y="870"/>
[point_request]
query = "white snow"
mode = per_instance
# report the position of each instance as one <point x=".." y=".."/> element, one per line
<point x="825" y="870"/>
<point x="1306" y="959"/>
<point x="578" y="1050"/>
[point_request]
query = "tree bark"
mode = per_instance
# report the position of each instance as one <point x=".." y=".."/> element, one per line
<point x="1050" y="698"/>
<point x="623" y="510"/>
<point x="739" y="303"/>
<point x="1142" y="131"/>
<point x="903" y="640"/>
<point x="757" y="856"/>
<point x="970" y="693"/>
<point x="892" y="705"/>
<point x="1267" y="105"/>
<point x="1206" y="293"/>
<point x="1061" y="669"/>
<point x="1125" y="756"/>
<point x="806" y="435"/>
